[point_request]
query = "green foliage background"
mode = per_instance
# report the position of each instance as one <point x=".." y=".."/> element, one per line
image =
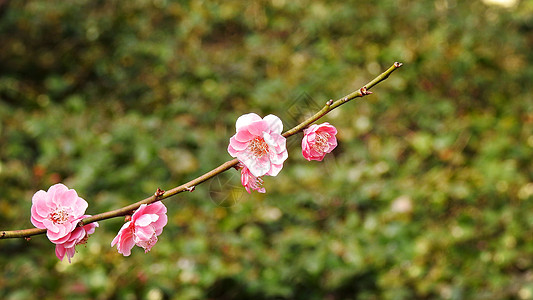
<point x="429" y="194"/>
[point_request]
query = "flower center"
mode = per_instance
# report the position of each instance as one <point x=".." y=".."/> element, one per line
<point x="59" y="216"/>
<point x="321" y="141"/>
<point x="148" y="244"/>
<point x="258" y="147"/>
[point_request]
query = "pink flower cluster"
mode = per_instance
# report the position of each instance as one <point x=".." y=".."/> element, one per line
<point x="261" y="149"/>
<point x="258" y="145"/>
<point x="318" y="140"/>
<point x="59" y="210"/>
<point x="142" y="230"/>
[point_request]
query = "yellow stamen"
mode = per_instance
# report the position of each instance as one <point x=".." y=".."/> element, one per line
<point x="258" y="147"/>
<point x="59" y="216"/>
<point x="321" y="141"/>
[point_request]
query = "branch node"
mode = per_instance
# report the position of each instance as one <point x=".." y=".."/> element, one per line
<point x="27" y="238"/>
<point x="191" y="188"/>
<point x="330" y="101"/>
<point x="127" y="218"/>
<point x="397" y="64"/>
<point x="364" y="91"/>
<point x="159" y="193"/>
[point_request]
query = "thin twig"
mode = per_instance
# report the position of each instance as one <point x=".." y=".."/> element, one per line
<point x="189" y="186"/>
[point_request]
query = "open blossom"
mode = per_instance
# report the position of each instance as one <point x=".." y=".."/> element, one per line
<point x="57" y="210"/>
<point x="142" y="230"/>
<point x="259" y="145"/>
<point x="249" y="181"/>
<point x="318" y="140"/>
<point x="76" y="237"/>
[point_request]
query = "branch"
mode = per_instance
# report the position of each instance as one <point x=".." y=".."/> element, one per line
<point x="189" y="186"/>
<point x="330" y="105"/>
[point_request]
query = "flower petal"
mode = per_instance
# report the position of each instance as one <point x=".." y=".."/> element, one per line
<point x="243" y="136"/>
<point x="257" y="166"/>
<point x="274" y="169"/>
<point x="237" y="145"/>
<point x="37" y="223"/>
<point x="138" y="213"/>
<point x="66" y="198"/>
<point x="80" y="207"/>
<point x="257" y="128"/>
<point x="124" y="231"/>
<point x="39" y="202"/>
<point x="126" y="245"/>
<point x="143" y="233"/>
<point x="146" y="219"/>
<point x="60" y="252"/>
<point x="274" y="124"/>
<point x="55" y="192"/>
<point x="246" y="119"/>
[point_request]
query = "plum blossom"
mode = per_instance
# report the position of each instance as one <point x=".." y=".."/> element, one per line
<point x="57" y="210"/>
<point x="249" y="181"/>
<point x="318" y="140"/>
<point x="76" y="237"/>
<point x="142" y="230"/>
<point x="259" y="145"/>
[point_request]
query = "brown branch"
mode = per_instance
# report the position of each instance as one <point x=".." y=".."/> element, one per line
<point x="189" y="186"/>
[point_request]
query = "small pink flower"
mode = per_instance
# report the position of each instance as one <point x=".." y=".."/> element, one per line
<point x="259" y="145"/>
<point x="76" y="237"/>
<point x="318" y="140"/>
<point x="249" y="181"/>
<point x="146" y="224"/>
<point x="58" y="210"/>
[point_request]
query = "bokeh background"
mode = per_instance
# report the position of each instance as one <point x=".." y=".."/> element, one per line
<point x="429" y="194"/>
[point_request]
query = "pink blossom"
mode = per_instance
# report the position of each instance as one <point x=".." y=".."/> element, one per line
<point x="259" y="145"/>
<point x="318" y="140"/>
<point x="249" y="181"/>
<point x="58" y="210"/>
<point x="146" y="224"/>
<point x="76" y="237"/>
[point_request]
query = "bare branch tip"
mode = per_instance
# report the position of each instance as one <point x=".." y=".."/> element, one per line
<point x="398" y="64"/>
